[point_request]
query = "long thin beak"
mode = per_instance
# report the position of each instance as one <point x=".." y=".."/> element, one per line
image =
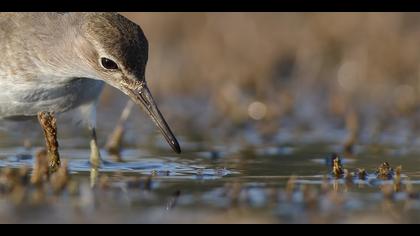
<point x="141" y="95"/>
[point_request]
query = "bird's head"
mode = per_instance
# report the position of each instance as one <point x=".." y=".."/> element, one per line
<point x="116" y="50"/>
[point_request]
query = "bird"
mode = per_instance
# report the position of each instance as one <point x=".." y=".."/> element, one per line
<point x="59" y="62"/>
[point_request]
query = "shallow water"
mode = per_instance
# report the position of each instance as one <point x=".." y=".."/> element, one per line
<point x="225" y="186"/>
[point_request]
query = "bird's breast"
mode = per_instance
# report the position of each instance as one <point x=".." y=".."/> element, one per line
<point x="26" y="99"/>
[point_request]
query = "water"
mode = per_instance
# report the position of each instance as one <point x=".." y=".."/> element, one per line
<point x="225" y="174"/>
<point x="276" y="184"/>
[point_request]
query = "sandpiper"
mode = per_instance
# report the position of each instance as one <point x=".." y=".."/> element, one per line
<point x="58" y="62"/>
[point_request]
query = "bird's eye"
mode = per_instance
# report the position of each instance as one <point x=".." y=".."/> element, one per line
<point x="109" y="64"/>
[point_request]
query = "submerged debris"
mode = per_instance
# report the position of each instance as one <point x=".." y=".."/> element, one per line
<point x="328" y="195"/>
<point x="361" y="174"/>
<point x="337" y="167"/>
<point x="385" y="172"/>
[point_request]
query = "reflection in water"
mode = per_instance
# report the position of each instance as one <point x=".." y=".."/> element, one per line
<point x="173" y="201"/>
<point x="293" y="186"/>
<point x="94" y="173"/>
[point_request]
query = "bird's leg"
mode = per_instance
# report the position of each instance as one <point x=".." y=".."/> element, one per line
<point x="48" y="123"/>
<point x="95" y="155"/>
<point x="115" y="140"/>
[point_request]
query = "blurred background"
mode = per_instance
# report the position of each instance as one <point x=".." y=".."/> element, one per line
<point x="271" y="78"/>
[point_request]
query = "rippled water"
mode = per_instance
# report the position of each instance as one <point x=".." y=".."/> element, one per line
<point x="224" y="186"/>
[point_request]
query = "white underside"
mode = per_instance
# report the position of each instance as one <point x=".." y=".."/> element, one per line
<point x="27" y="99"/>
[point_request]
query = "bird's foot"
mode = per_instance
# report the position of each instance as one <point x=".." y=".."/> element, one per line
<point x="95" y="154"/>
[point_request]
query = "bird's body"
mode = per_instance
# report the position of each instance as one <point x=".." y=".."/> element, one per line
<point x="56" y="62"/>
<point x="27" y="85"/>
<point x="18" y="102"/>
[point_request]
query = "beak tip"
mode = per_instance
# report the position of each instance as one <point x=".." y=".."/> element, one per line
<point x="176" y="147"/>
